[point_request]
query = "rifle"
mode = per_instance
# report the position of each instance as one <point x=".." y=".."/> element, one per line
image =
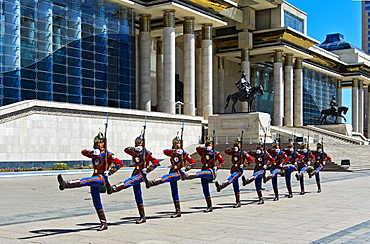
<point x="182" y="143"/>
<point x="105" y="144"/>
<point x="144" y="149"/>
<point x="308" y="141"/>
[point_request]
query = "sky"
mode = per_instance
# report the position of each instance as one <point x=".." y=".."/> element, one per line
<point x="333" y="16"/>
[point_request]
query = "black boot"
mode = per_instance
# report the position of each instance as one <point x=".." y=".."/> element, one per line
<point x="237" y="199"/>
<point x="115" y="188"/>
<point x="209" y="205"/>
<point x="318" y="186"/>
<point x="150" y="183"/>
<point x="260" y="198"/>
<point x="103" y="220"/>
<point x="222" y="186"/>
<point x="177" y="209"/>
<point x="276" y="191"/>
<point x="67" y="184"/>
<point x="302" y="189"/>
<point x="247" y="181"/>
<point x="141" y="213"/>
<point x="290" y="195"/>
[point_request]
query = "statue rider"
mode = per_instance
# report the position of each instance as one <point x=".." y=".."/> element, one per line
<point x="333" y="105"/>
<point x="243" y="84"/>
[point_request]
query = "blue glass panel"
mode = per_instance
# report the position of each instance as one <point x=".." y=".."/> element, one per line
<point x="113" y="86"/>
<point x="87" y="55"/>
<point x="100" y="102"/>
<point x="124" y="88"/>
<point x="100" y="93"/>
<point x="28" y="94"/>
<point x="45" y="64"/>
<point x="7" y="100"/>
<point x="74" y="71"/>
<point x="74" y="99"/>
<point x="88" y="100"/>
<point x="112" y="95"/>
<point x="44" y="96"/>
<point x="74" y="90"/>
<point x="100" y="67"/>
<point x="124" y="96"/>
<point x="61" y="69"/>
<point x="87" y="83"/>
<point x="59" y="78"/>
<point x="28" y="73"/>
<point x="112" y="78"/>
<point x="101" y="58"/>
<point x="72" y="80"/>
<point x="73" y="52"/>
<point x="44" y="86"/>
<point x="87" y="73"/>
<point x="88" y="92"/>
<point x="43" y="76"/>
<point x="87" y="46"/>
<point x="11" y="81"/>
<point x="74" y="62"/>
<point x="100" y="76"/>
<point x="100" y="84"/>
<point x="60" y="88"/>
<point x="28" y="84"/>
<point x="113" y="69"/>
<point x="60" y="97"/>
<point x="75" y="44"/>
<point x="101" y="49"/>
<point x="59" y="58"/>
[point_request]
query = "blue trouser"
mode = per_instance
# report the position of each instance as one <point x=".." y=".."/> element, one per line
<point x="95" y="182"/>
<point x="205" y="176"/>
<point x="258" y="179"/>
<point x="172" y="178"/>
<point x="233" y="178"/>
<point x="302" y="170"/>
<point x="135" y="181"/>
<point x="288" y="173"/>
<point x="274" y="179"/>
<point x="317" y="174"/>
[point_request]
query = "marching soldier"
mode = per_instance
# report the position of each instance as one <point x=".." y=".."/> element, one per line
<point x="308" y="157"/>
<point x="321" y="158"/>
<point x="178" y="157"/>
<point x="99" y="177"/>
<point x="290" y="166"/>
<point x="238" y="158"/>
<point x="280" y="159"/>
<point x="261" y="158"/>
<point x="209" y="169"/>
<point x="143" y="162"/>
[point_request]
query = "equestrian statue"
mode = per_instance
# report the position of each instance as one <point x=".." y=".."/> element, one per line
<point x="334" y="111"/>
<point x="246" y="93"/>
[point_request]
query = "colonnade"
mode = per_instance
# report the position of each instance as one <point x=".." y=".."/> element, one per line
<point x="197" y="65"/>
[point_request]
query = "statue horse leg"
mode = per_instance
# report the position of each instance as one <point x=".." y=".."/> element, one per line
<point x="227" y="101"/>
<point x="343" y="118"/>
<point x="233" y="110"/>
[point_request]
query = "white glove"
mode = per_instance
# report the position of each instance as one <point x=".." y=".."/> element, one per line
<point x="107" y="173"/>
<point x="235" y="149"/>
<point x="96" y="152"/>
<point x="138" y="149"/>
<point x="280" y="165"/>
<point x="183" y="169"/>
<point x="308" y="163"/>
<point x="209" y="148"/>
<point x="265" y="166"/>
<point x="277" y="150"/>
<point x="179" y="151"/>
<point x="258" y="151"/>
<point x="241" y="166"/>
<point x="144" y="171"/>
<point x="215" y="168"/>
<point x="323" y="163"/>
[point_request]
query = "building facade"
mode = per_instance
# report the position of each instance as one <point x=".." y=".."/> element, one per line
<point x="163" y="55"/>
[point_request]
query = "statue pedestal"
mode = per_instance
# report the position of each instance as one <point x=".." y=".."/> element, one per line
<point x="229" y="126"/>
<point x="344" y="129"/>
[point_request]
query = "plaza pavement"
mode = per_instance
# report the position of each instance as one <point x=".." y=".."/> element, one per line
<point x="34" y="210"/>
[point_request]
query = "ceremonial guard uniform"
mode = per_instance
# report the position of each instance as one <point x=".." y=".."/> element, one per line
<point x="209" y="169"/>
<point x="261" y="158"/>
<point x="238" y="158"/>
<point x="99" y="177"/>
<point x="143" y="163"/>
<point x="308" y="157"/>
<point x="290" y="166"/>
<point x="321" y="158"/>
<point x="276" y="167"/>
<point x="178" y="157"/>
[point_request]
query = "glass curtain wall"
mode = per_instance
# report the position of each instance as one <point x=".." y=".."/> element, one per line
<point x="67" y="51"/>
<point x="265" y="76"/>
<point x="317" y="91"/>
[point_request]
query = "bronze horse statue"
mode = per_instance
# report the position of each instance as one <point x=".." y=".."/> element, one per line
<point x="244" y="96"/>
<point x="329" y="112"/>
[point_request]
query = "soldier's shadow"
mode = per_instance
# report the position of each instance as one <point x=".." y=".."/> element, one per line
<point x="51" y="232"/>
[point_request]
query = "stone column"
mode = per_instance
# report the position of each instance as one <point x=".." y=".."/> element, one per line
<point x="278" y="88"/>
<point x="189" y="66"/>
<point x="288" y="92"/>
<point x="339" y="97"/>
<point x="360" y="107"/>
<point x="298" y="93"/>
<point x="159" y="74"/>
<point x="207" y="69"/>
<point x="169" y="61"/>
<point x="253" y="71"/>
<point x="198" y="76"/>
<point x="221" y="85"/>
<point x="144" y="63"/>
<point x="246" y="67"/>
<point x="355" y="104"/>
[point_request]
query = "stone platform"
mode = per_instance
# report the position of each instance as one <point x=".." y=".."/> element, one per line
<point x="228" y="127"/>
